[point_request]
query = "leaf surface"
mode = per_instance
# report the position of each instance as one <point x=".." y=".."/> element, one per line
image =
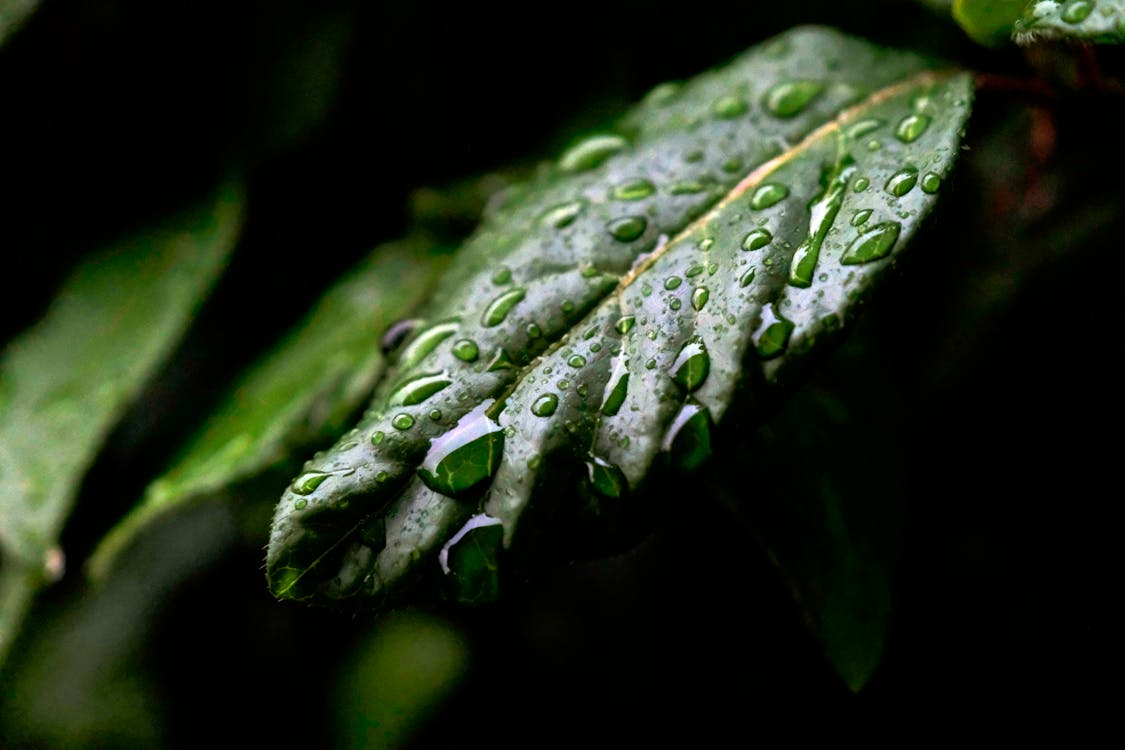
<point x="66" y="381"/>
<point x="1086" y="20"/>
<point x="607" y="315"/>
<point x="299" y="395"/>
<point x="13" y="15"/>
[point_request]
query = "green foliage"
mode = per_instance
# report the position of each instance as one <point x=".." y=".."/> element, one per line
<point x="712" y="327"/>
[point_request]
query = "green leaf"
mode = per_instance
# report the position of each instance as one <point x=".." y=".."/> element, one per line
<point x="67" y="380"/>
<point x="1086" y="20"/>
<point x="988" y="21"/>
<point x="299" y="395"/>
<point x="13" y="15"/>
<point x="777" y="190"/>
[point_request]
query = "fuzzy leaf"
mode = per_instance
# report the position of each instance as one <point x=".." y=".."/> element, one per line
<point x="299" y="395"/>
<point x="66" y="381"/>
<point x="609" y="314"/>
<point x="1086" y="20"/>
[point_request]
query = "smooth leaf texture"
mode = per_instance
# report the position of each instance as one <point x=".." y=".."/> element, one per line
<point x="1086" y="20"/>
<point x="299" y="395"/>
<point x="13" y="15"/>
<point x="611" y="310"/>
<point x="66" y="381"/>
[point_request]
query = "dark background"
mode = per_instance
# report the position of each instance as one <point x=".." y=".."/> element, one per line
<point x="979" y="389"/>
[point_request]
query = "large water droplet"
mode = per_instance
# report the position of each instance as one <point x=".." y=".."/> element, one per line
<point x="861" y="184"/>
<point x="688" y="439"/>
<point x="931" y="182"/>
<point x="872" y="245"/>
<point x="501" y="275"/>
<point x="911" y="127"/>
<point x="902" y="182"/>
<point x="692" y="365"/>
<point x="499" y="308"/>
<point x="634" y="190"/>
<point x="501" y="361"/>
<point x="576" y="361"/>
<point x="699" y="297"/>
<point x="628" y="228"/>
<point x="471" y="561"/>
<point x="465" y="456"/>
<point x="418" y="388"/>
<point x="562" y="215"/>
<point x="729" y="107"/>
<point x="757" y="239"/>
<point x="672" y="282"/>
<point x="309" y="481"/>
<point x="747" y="278"/>
<point x="789" y="98"/>
<point x="862" y="127"/>
<point x="606" y="479"/>
<point x="591" y="152"/>
<point x="618" y="389"/>
<point x="545" y="405"/>
<point x="466" y="350"/>
<point x="772" y="335"/>
<point x="1077" y="11"/>
<point x="402" y="422"/>
<point x="769" y="194"/>
<point x="624" y="324"/>
<point x="426" y="342"/>
<point x="822" y="212"/>
<point x="397" y="333"/>
<point x="861" y="216"/>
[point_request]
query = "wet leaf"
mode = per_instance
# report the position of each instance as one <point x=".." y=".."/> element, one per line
<point x="785" y="185"/>
<point x="988" y="21"/>
<point x="66" y="381"/>
<point x="1086" y="20"/>
<point x="299" y="395"/>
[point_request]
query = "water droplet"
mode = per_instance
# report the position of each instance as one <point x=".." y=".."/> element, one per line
<point x="901" y="183"/>
<point x="628" y="228"/>
<point x="686" y="187"/>
<point x="300" y="504"/>
<point x="769" y="194"/>
<point x="501" y="361"/>
<point x="562" y="215"/>
<point x="426" y="342"/>
<point x="471" y="561"/>
<point x="417" y="389"/>
<point x="499" y="308"/>
<point x="861" y="216"/>
<point x="577" y="361"/>
<point x="788" y="99"/>
<point x="464" y="456"/>
<point x="931" y="182"/>
<point x="694" y="156"/>
<point x="606" y="479"/>
<point x="591" y="152"/>
<point x="862" y="184"/>
<point x="911" y="127"/>
<point x="634" y="190"/>
<point x="502" y="275"/>
<point x="706" y="243"/>
<point x="534" y="331"/>
<point x="822" y="212"/>
<point x="617" y="392"/>
<point x="757" y="239"/>
<point x="688" y="439"/>
<point x="377" y="437"/>
<point x="545" y="405"/>
<point x="747" y="278"/>
<point x="729" y="107"/>
<point x="402" y="422"/>
<point x="693" y="271"/>
<point x="731" y="165"/>
<point x="1077" y="11"/>
<point x="466" y="350"/>
<point x="567" y="307"/>
<point x="675" y="303"/>
<point x="309" y="481"/>
<point x="625" y="324"/>
<point x="772" y="335"/>
<point x="874" y="145"/>
<point x="397" y="333"/>
<point x="872" y="245"/>
<point x="863" y="127"/>
<point x="672" y="282"/>
<point x="692" y="365"/>
<point x="699" y="297"/>
<point x="662" y="93"/>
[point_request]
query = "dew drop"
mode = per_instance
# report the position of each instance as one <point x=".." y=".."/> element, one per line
<point x="377" y="437"/>
<point x="861" y="184"/>
<point x="699" y="298"/>
<point x="757" y="239"/>
<point x="672" y="282"/>
<point x="634" y="190"/>
<point x="499" y="308"/>
<point x="534" y="331"/>
<point x="688" y="439"/>
<point x="902" y="182"/>
<point x="466" y="350"/>
<point x="863" y="127"/>
<point x="788" y="99"/>
<point x="577" y="361"/>
<point x="772" y="335"/>
<point x="426" y="342"/>
<point x="300" y="504"/>
<point x="545" y="405"/>
<point x="606" y="479"/>
<point x="911" y="127"/>
<point x="502" y="275"/>
<point x="769" y="194"/>
<point x="861" y="216"/>
<point x="402" y="422"/>
<point x="692" y="365"/>
<point x="471" y="561"/>
<point x="501" y="361"/>
<point x="628" y="228"/>
<point x="591" y="152"/>
<point x="1077" y="11"/>
<point x="872" y="245"/>
<point x="729" y="107"/>
<point x="624" y="324"/>
<point x="693" y="271"/>
<point x="308" y="482"/>
<point x="466" y="455"/>
<point x="686" y="187"/>
<point x="931" y="182"/>
<point x="418" y="388"/>
<point x="562" y="215"/>
<point x="747" y="278"/>
<point x="617" y="391"/>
